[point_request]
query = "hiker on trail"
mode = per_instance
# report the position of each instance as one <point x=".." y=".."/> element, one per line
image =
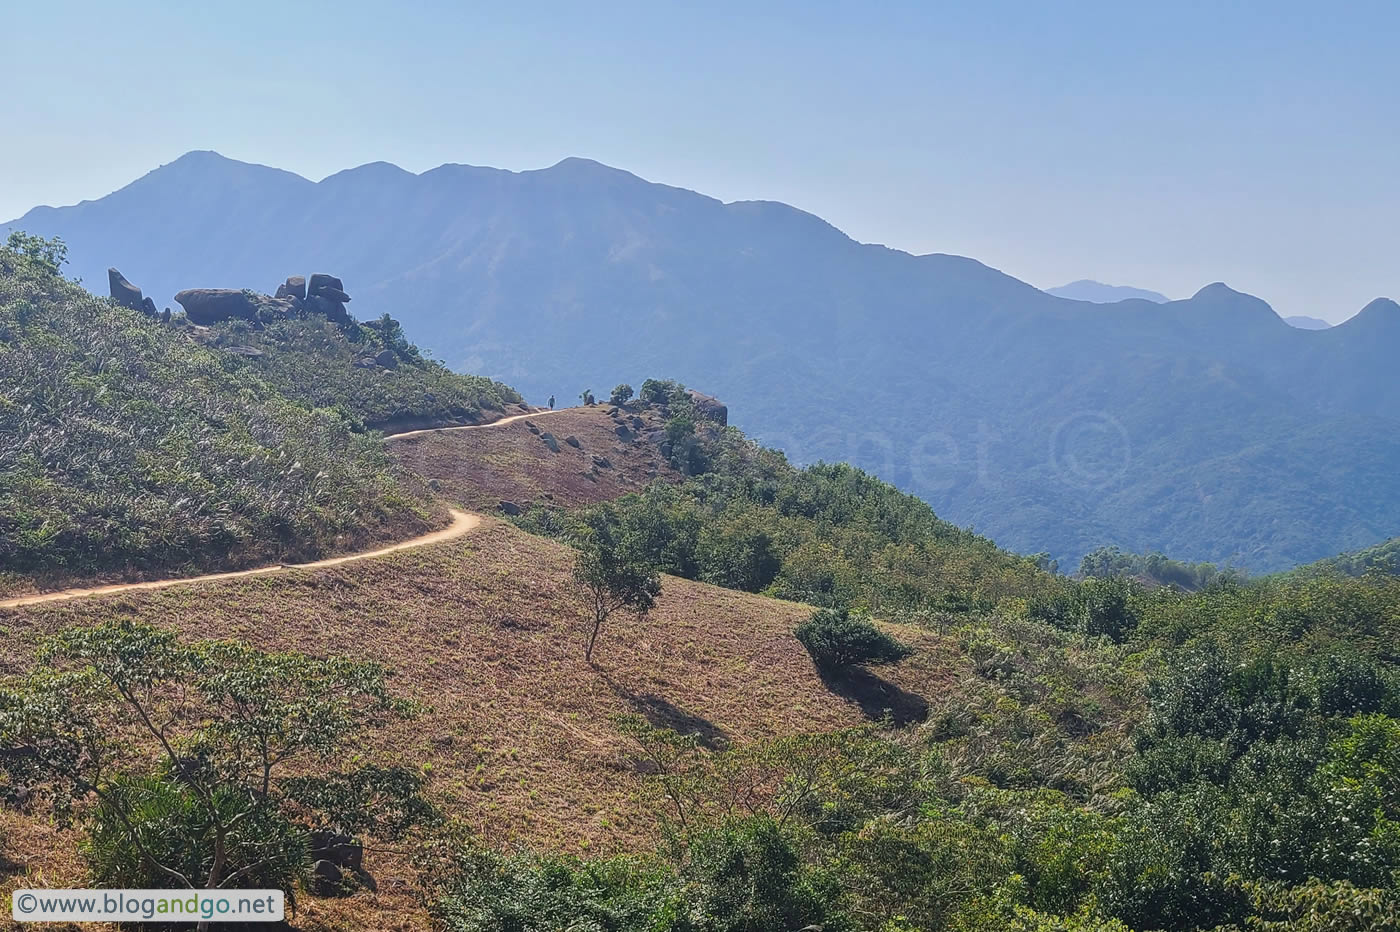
<point x="551" y="402"/>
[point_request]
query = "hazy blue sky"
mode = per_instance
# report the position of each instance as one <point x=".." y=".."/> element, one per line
<point x="1163" y="145"/>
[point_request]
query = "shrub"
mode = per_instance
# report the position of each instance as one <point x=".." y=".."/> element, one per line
<point x="621" y="395"/>
<point x="838" y="638"/>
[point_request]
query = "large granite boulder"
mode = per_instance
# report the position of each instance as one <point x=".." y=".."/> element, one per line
<point x="205" y="306"/>
<point x="293" y="287"/>
<point x="709" y="407"/>
<point x="334" y="310"/>
<point x="124" y="292"/>
<point x="319" y="281"/>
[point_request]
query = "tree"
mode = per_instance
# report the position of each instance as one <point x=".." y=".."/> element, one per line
<point x="610" y="572"/>
<point x="838" y="639"/>
<point x="182" y="746"/>
<point x="586" y="396"/>
<point x="48" y="254"/>
<point x="621" y="395"/>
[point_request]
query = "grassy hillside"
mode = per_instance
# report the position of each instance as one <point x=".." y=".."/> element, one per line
<point x="128" y="448"/>
<point x="322" y="365"/>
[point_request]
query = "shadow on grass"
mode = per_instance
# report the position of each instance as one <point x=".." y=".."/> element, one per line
<point x="661" y="712"/>
<point x="877" y="698"/>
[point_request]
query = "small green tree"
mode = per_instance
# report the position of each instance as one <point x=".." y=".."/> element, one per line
<point x="181" y="747"/>
<point x="838" y="639"/>
<point x="48" y="254"/>
<point x="621" y="395"/>
<point x="610" y="572"/>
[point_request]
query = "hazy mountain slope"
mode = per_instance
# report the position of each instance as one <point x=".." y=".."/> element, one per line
<point x="1206" y="428"/>
<point x="1086" y="289"/>
<point x="1304" y="322"/>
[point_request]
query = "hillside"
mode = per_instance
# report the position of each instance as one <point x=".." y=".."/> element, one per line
<point x="1382" y="558"/>
<point x="1087" y="756"/>
<point x="135" y="447"/>
<point x="1205" y="428"/>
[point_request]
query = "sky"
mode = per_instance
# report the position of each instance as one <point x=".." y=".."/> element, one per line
<point x="1164" y="145"/>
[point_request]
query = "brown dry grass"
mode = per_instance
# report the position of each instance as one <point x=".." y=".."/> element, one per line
<point x="481" y="468"/>
<point x="487" y="630"/>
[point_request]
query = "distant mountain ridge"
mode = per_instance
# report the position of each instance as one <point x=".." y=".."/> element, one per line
<point x="1207" y="428"/>
<point x="1304" y="322"/>
<point x="1087" y="289"/>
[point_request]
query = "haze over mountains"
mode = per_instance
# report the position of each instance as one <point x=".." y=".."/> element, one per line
<point x="1207" y="428"/>
<point x="1098" y="293"/>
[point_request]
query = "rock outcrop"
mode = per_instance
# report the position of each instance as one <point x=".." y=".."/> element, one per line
<point x="128" y="295"/>
<point x="709" y="407"/>
<point x="293" y="287"/>
<point x="205" y="306"/>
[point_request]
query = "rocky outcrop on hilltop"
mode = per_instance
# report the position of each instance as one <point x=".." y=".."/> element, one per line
<point x="128" y="295"/>
<point x="324" y="295"/>
<point x="709" y="407"/>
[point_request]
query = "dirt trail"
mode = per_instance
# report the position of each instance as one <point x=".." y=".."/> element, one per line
<point x="462" y="523"/>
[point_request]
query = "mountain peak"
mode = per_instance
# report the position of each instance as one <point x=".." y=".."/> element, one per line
<point x="1086" y="289"/>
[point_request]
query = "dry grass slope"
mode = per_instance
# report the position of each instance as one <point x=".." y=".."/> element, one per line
<point x="519" y="741"/>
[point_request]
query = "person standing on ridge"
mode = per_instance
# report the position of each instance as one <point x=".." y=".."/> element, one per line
<point x="551" y="402"/>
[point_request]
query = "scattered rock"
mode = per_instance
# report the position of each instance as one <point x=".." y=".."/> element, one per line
<point x="709" y="407"/>
<point x="666" y="448"/>
<point x="622" y="431"/>
<point x="252" y="352"/>
<point x="366" y="362"/>
<point x="511" y="508"/>
<point x="550" y="442"/>
<point x="388" y="359"/>
<point x="530" y="426"/>
<point x="165" y="316"/>
<point x="326" y="879"/>
<point x="338" y="848"/>
<point x="612" y="412"/>
<point x="637" y="423"/>
<point x="206" y="306"/>
<point x="602" y="462"/>
<point x="124" y="292"/>
<point x="572" y="441"/>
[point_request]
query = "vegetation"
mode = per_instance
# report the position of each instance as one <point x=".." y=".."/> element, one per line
<point x="1154" y="568"/>
<point x="838" y="639"/>
<point x="828" y="535"/>
<point x="176" y="755"/>
<point x="319" y="364"/>
<point x="1383" y="558"/>
<point x="127" y="447"/>
<point x="611" y="571"/>
<point x="621" y="394"/>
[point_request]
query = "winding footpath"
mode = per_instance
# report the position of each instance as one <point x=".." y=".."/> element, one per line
<point x="462" y="523"/>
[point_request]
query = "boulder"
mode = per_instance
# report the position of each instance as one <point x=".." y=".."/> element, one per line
<point x="572" y="441"/>
<point x="149" y="306"/>
<point x="511" y="508"/>
<point x="206" y="306"/>
<point x="550" y="442"/>
<point x="530" y="426"/>
<point x="252" y="352"/>
<point x="124" y="292"/>
<point x="388" y="359"/>
<point x="336" y="847"/>
<point x="622" y="431"/>
<point x="326" y="879"/>
<point x="366" y="362"/>
<point x="637" y="423"/>
<point x="293" y="287"/>
<point x="319" y="281"/>
<point x="334" y="294"/>
<point x="709" y="407"/>
<point x="318" y="305"/>
<point x="602" y="462"/>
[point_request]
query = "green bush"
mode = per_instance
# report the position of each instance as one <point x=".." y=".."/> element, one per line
<point x="621" y="394"/>
<point x="838" y="639"/>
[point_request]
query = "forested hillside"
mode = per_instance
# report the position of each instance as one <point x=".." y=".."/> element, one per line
<point x="130" y="446"/>
<point x="1208" y="428"/>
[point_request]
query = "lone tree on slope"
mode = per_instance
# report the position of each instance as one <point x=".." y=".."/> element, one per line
<point x="608" y="572"/>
